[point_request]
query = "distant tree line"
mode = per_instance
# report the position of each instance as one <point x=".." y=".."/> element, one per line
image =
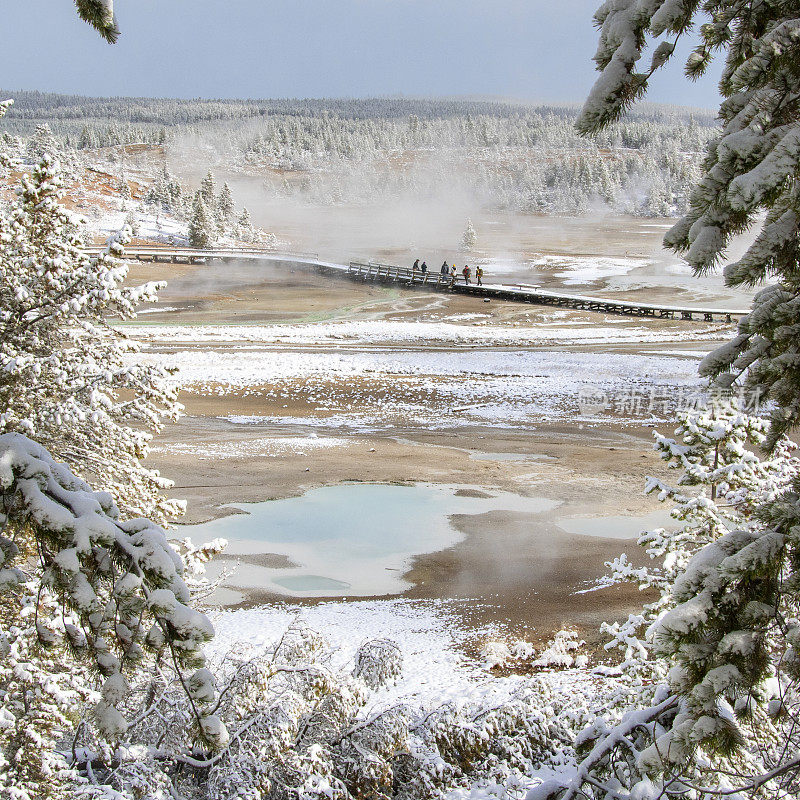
<point x="504" y="155"/>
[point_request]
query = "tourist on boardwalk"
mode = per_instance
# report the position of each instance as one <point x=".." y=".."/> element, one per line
<point x="466" y="274"/>
<point x="452" y="275"/>
<point x="424" y="268"/>
<point x="479" y="275"/>
<point x="415" y="266"/>
<point x="445" y="270"/>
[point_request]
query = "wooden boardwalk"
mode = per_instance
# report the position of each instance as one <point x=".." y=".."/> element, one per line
<point x="523" y="293"/>
<point x="430" y="281"/>
<point x="191" y="255"/>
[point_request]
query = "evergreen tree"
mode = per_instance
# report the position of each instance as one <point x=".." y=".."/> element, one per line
<point x="723" y="482"/>
<point x="470" y="237"/>
<point x="9" y="149"/>
<point x="86" y="593"/>
<point x="88" y="138"/>
<point x="225" y="205"/>
<point x="166" y="193"/>
<point x="132" y="223"/>
<point x="40" y="143"/>
<point x="732" y="633"/>
<point x="201" y="226"/>
<point x="65" y="379"/>
<point x="208" y="190"/>
<point x="244" y="226"/>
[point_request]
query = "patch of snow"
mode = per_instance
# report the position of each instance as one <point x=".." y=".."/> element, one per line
<point x="268" y="447"/>
<point x="391" y="331"/>
<point x="575" y="270"/>
<point x="442" y="389"/>
<point x="159" y="310"/>
<point x="435" y="669"/>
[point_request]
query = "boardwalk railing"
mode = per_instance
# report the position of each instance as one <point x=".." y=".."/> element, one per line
<point x="192" y="255"/>
<point x="436" y="281"/>
<point x="373" y="271"/>
<point x="389" y="272"/>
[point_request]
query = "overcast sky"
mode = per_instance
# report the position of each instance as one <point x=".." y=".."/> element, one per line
<point x="530" y="50"/>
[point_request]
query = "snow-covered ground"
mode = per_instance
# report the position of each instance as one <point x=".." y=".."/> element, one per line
<point x="157" y="228"/>
<point x="580" y="270"/>
<point x="491" y="386"/>
<point x="478" y="332"/>
<point x="573" y="270"/>
<point x="258" y="447"/>
<point x="436" y="671"/>
<point x="435" y="668"/>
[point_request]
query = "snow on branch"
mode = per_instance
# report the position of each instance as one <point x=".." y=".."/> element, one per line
<point x="120" y="578"/>
<point x="100" y="15"/>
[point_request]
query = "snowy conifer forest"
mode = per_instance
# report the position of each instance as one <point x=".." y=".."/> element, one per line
<point x="524" y="158"/>
<point x="469" y="644"/>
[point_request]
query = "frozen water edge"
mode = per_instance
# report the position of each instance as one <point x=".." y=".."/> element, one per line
<point x="335" y="551"/>
<point x="370" y="332"/>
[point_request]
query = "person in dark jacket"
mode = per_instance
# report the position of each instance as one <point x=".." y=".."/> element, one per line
<point x="415" y="266"/>
<point x="445" y="270"/>
<point x="424" y="268"/>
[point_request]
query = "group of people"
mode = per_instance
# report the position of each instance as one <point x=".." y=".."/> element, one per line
<point x="451" y="272"/>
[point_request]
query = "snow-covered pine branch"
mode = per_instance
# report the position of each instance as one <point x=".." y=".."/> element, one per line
<point x="624" y="27"/>
<point x="100" y="15"/>
<point x="107" y="592"/>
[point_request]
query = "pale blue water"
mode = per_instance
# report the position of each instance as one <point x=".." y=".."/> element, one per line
<point x="616" y="527"/>
<point x="475" y="456"/>
<point x="351" y="539"/>
<point x="311" y="583"/>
